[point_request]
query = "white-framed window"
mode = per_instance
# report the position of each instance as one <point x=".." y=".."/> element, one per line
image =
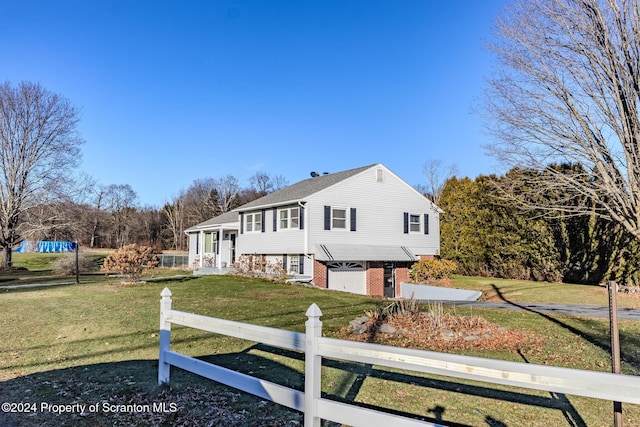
<point x="339" y="218"/>
<point x="289" y="218"/>
<point x="284" y="218"/>
<point x="211" y="242"/>
<point x="414" y="223"/>
<point x="294" y="218"/>
<point x="294" y="264"/>
<point x="254" y="222"/>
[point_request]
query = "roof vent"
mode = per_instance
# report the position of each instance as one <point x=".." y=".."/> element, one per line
<point x="325" y="173"/>
<point x="314" y="174"/>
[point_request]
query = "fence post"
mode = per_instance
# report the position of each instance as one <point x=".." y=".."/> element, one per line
<point x="612" y="288"/>
<point x="312" y="367"/>
<point x="165" y="337"/>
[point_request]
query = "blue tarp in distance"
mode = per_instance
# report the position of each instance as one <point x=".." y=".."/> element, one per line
<point x="45" y="246"/>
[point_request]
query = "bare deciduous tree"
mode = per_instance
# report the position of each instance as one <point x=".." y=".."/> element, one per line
<point x="227" y="192"/>
<point x="567" y="92"/>
<point x="174" y="213"/>
<point x="436" y="175"/>
<point x="119" y="200"/>
<point x="263" y="183"/>
<point x="39" y="144"/>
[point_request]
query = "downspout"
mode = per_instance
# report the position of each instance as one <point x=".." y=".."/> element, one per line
<point x="306" y="229"/>
<point x="306" y="234"/>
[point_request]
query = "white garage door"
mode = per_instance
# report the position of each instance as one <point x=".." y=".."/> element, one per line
<point x="348" y="277"/>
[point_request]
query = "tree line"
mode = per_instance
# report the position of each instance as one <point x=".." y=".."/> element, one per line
<point x="109" y="216"/>
<point x="489" y="235"/>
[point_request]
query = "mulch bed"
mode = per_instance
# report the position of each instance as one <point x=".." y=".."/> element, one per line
<point x="445" y="333"/>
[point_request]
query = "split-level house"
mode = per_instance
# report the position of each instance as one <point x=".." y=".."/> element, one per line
<point x="358" y="231"/>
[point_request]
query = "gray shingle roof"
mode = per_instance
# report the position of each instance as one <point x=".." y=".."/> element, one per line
<point x="302" y="189"/>
<point x="224" y="218"/>
<point x="292" y="193"/>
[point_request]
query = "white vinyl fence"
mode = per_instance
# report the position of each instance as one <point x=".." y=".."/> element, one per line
<point x="600" y="385"/>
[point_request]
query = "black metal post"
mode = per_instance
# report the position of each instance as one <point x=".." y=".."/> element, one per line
<point x="615" y="345"/>
<point x="77" y="263"/>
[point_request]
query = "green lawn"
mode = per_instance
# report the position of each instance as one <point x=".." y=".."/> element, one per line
<point x="541" y="292"/>
<point x="98" y="342"/>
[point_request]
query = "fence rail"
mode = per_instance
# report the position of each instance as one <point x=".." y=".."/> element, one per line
<point x="600" y="385"/>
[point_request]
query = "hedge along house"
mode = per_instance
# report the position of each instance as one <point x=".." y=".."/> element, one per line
<point x="357" y="231"/>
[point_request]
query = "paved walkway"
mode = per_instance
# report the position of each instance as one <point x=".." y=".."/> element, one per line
<point x="568" y="309"/>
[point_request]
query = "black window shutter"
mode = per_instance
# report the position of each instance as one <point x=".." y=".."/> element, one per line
<point x="263" y="220"/>
<point x="219" y="242"/>
<point x="301" y="217"/>
<point x="241" y="222"/>
<point x="327" y="217"/>
<point x="426" y="223"/>
<point x="301" y="264"/>
<point x="284" y="262"/>
<point x="406" y="223"/>
<point x="275" y="219"/>
<point x="353" y="219"/>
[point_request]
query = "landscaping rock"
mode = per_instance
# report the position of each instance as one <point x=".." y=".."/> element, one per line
<point x="360" y="329"/>
<point x="358" y="321"/>
<point x="386" y="328"/>
<point x="359" y="325"/>
<point x="448" y="334"/>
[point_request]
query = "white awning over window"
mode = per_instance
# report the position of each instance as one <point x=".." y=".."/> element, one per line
<point x="341" y="252"/>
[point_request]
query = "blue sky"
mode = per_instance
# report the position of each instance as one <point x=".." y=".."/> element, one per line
<point x="173" y="91"/>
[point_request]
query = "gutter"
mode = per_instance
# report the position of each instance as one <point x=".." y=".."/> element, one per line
<point x="269" y="205"/>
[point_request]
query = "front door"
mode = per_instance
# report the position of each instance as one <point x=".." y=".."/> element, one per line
<point x="389" y="279"/>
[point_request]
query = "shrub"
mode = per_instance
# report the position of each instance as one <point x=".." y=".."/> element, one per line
<point x="254" y="265"/>
<point x="66" y="264"/>
<point x="428" y="269"/>
<point x="400" y="308"/>
<point x="131" y="261"/>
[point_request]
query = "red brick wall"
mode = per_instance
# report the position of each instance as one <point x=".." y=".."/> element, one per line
<point x="319" y="274"/>
<point x="402" y="275"/>
<point x="375" y="278"/>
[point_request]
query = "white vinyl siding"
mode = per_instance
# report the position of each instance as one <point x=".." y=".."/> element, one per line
<point x="380" y="207"/>
<point x="280" y="241"/>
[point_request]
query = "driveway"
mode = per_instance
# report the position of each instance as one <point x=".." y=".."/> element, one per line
<point x="567" y="309"/>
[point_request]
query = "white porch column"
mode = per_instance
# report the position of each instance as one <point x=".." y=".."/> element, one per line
<point x="219" y="249"/>
<point x="201" y="249"/>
